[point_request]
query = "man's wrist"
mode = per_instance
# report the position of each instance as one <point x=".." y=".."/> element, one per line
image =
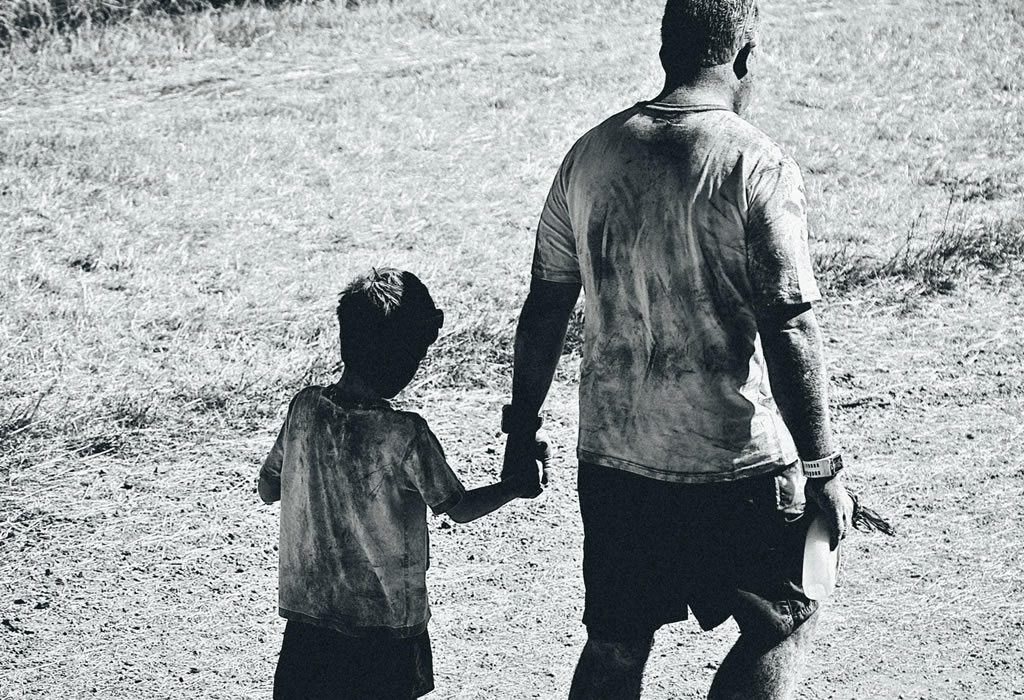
<point x="516" y="421"/>
<point x="824" y="468"/>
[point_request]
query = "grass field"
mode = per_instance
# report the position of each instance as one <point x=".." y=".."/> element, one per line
<point x="181" y="199"/>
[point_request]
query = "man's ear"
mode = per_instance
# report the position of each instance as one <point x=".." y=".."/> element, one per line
<point x="739" y="64"/>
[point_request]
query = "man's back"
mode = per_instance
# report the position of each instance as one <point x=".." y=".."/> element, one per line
<point x="681" y="223"/>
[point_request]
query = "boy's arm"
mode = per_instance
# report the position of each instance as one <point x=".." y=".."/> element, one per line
<point x="429" y="473"/>
<point x="269" y="488"/>
<point x="270" y="474"/>
<point x="477" y="503"/>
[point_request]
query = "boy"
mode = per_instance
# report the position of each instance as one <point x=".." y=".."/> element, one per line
<point x="354" y="477"/>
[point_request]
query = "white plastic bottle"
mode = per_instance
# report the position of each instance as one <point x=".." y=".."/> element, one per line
<point x="820" y="562"/>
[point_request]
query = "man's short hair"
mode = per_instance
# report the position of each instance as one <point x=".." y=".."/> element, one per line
<point x="382" y="315"/>
<point x="701" y="33"/>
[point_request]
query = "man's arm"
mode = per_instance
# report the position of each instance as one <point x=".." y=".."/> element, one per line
<point x="791" y="340"/>
<point x="540" y="335"/>
<point x="539" y="339"/>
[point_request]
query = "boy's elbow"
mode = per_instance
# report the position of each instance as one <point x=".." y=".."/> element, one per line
<point x="459" y="515"/>
<point x="269" y="493"/>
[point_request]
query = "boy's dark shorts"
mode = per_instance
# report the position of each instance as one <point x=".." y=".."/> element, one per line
<point x="653" y="548"/>
<point x="317" y="663"/>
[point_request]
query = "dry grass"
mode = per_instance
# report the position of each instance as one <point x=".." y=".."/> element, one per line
<point x="38" y="21"/>
<point x="181" y="198"/>
<point x="956" y="253"/>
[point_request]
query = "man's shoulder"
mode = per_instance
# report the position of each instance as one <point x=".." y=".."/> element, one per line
<point x="607" y="129"/>
<point x="752" y="144"/>
<point x="732" y="136"/>
<point x="598" y="143"/>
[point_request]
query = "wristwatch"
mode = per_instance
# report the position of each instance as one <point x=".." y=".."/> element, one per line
<point x="822" y="468"/>
<point x="511" y="422"/>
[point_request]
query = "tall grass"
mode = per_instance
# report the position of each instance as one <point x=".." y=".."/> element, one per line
<point x="934" y="263"/>
<point x="25" y="18"/>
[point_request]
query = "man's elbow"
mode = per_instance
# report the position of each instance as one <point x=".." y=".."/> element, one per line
<point x="550" y="300"/>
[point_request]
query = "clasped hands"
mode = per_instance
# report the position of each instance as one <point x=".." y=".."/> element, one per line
<point x="525" y="466"/>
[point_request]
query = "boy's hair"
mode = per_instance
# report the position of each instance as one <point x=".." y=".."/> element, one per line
<point x="385" y="317"/>
<point x="703" y="33"/>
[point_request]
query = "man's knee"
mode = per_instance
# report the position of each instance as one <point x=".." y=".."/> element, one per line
<point x="763" y="667"/>
<point x="625" y="654"/>
<point x="610" y="669"/>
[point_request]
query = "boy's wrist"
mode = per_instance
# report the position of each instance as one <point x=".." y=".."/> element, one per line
<point x="517" y="486"/>
<point x="509" y="488"/>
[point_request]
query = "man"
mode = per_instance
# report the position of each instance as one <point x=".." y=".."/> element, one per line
<point x="686" y="228"/>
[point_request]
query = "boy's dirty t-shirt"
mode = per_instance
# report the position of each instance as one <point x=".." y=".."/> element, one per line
<point x="355" y="482"/>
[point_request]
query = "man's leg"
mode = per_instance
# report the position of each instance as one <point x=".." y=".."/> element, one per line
<point x="610" y="670"/>
<point x="755" y="671"/>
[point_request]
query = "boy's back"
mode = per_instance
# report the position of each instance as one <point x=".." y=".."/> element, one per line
<point x="355" y="480"/>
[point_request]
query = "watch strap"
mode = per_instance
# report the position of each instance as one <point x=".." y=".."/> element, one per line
<point x="822" y="468"/>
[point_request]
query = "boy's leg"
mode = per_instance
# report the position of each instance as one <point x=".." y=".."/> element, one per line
<point x="753" y="670"/>
<point x="610" y="670"/>
<point x="321" y="664"/>
<point x="295" y="677"/>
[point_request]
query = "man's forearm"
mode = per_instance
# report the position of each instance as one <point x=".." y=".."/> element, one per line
<point x="539" y="339"/>
<point x="793" y="350"/>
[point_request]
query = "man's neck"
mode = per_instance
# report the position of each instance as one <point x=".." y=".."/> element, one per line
<point x="684" y="95"/>
<point x="711" y="86"/>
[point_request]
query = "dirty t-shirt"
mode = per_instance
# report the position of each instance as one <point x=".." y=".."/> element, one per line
<point x="681" y="224"/>
<point x="355" y="481"/>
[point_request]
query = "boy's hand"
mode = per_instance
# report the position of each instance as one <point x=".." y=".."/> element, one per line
<point x="526" y="464"/>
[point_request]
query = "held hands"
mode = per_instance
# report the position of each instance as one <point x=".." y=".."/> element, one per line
<point x="525" y="467"/>
<point x="830" y="495"/>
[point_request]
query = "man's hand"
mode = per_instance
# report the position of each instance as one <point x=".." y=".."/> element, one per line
<point x="835" y="504"/>
<point x="526" y="464"/>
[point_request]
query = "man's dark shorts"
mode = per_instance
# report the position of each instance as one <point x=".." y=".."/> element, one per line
<point x="653" y="548"/>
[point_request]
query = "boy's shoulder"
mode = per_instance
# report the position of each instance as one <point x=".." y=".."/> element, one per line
<point x="316" y="396"/>
<point x="305" y="397"/>
<point x="411" y="418"/>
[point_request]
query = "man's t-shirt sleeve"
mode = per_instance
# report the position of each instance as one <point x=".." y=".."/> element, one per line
<point x="428" y="472"/>
<point x="554" y="254"/>
<point x="778" y="257"/>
